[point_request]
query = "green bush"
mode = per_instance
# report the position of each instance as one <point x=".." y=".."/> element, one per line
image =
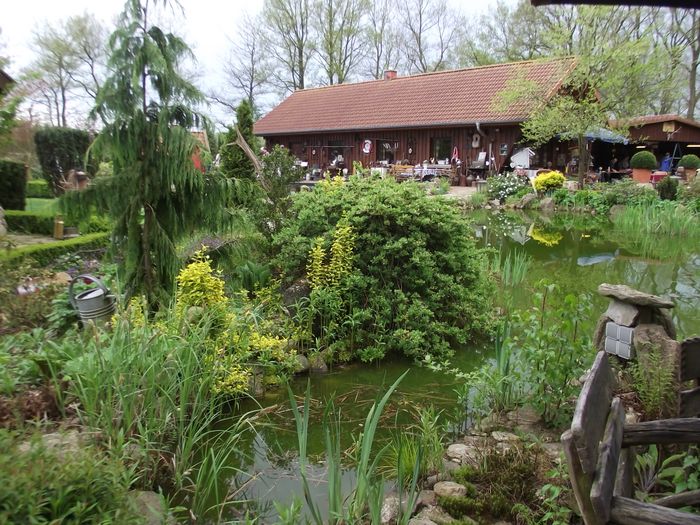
<point x="43" y="485"/>
<point x="28" y="222"/>
<point x="12" y="185"/>
<point x="644" y="160"/>
<point x="60" y="150"/>
<point x="690" y="195"/>
<point x="38" y="189"/>
<point x="549" y="180"/>
<point x="667" y="188"/>
<point x="45" y="254"/>
<point x="417" y="283"/>
<point x="627" y="192"/>
<point x="691" y="162"/>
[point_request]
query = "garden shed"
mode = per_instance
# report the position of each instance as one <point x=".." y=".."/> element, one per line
<point x="444" y="116"/>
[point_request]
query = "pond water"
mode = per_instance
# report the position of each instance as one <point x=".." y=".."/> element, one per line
<point x="576" y="252"/>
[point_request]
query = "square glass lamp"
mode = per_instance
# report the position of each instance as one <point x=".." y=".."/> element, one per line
<point x="618" y="340"/>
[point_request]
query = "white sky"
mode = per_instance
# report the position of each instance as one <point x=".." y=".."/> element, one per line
<point x="208" y="26"/>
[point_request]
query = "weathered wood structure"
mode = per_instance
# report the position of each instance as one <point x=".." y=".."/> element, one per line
<point x="599" y="447"/>
<point x="440" y="116"/>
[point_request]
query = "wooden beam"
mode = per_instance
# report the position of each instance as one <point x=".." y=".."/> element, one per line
<point x="624" y="484"/>
<point x="692" y="498"/>
<point x="662" y="431"/>
<point x="610" y="447"/>
<point x="626" y="511"/>
<point x="591" y="411"/>
<point x="690" y="359"/>
<point x="580" y="481"/>
<point x="690" y="402"/>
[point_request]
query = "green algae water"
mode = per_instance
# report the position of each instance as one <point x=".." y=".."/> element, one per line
<point x="575" y="252"/>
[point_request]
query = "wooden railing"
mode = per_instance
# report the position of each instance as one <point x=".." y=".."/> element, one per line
<point x="600" y="454"/>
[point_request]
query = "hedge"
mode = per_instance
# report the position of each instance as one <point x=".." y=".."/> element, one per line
<point x="13" y="179"/>
<point x="28" y="222"/>
<point x="60" y="150"/>
<point x="45" y="254"/>
<point x="38" y="189"/>
<point x="644" y="160"/>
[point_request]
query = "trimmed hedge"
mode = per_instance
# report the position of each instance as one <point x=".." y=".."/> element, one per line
<point x="13" y="180"/>
<point x="28" y="222"/>
<point x="38" y="189"/>
<point x="45" y="254"/>
<point x="689" y="161"/>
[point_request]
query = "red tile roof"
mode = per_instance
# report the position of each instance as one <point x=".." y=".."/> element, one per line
<point x="654" y="119"/>
<point x="445" y="98"/>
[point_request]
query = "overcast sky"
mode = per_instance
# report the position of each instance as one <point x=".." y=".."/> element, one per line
<point x="207" y="25"/>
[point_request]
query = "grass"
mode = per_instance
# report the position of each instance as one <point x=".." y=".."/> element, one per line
<point x="42" y="206"/>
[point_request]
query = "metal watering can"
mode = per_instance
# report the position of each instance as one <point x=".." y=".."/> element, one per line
<point x="93" y="304"/>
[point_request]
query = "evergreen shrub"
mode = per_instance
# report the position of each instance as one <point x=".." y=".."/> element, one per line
<point x="644" y="160"/>
<point x="549" y="180"/>
<point x="12" y="185"/>
<point x="667" y="188"/>
<point x="415" y="282"/>
<point x="38" y="189"/>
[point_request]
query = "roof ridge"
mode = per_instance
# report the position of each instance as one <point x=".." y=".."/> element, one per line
<point x="441" y="72"/>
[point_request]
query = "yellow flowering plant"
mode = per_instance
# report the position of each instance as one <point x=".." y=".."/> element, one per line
<point x="549" y="180"/>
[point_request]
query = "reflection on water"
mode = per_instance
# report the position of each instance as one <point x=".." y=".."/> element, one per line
<point x="577" y="252"/>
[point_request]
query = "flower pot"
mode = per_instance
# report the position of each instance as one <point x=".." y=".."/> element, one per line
<point x="641" y="175"/>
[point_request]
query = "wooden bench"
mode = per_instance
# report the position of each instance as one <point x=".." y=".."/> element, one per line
<point x="600" y="454"/>
<point x="402" y="173"/>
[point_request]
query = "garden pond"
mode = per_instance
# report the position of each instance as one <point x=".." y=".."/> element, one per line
<point x="575" y="252"/>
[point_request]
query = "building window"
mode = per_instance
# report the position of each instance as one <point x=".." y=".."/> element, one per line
<point x="441" y="148"/>
<point x="385" y="151"/>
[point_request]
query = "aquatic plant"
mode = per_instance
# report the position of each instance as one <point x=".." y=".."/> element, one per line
<point x="513" y="268"/>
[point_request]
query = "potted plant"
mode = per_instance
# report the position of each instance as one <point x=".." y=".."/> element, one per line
<point x="642" y="163"/>
<point x="690" y="164"/>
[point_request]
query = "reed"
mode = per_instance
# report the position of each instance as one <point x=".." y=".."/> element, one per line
<point x="663" y="219"/>
<point x="146" y="392"/>
<point x="513" y="268"/>
<point x="364" y="501"/>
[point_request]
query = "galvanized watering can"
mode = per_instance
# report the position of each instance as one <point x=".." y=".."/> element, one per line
<point x="93" y="304"/>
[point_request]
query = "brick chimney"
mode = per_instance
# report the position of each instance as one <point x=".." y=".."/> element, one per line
<point x="390" y="74"/>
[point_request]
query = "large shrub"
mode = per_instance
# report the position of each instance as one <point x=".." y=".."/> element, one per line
<point x="667" y="188"/>
<point x="691" y="162"/>
<point x="403" y="274"/>
<point x="13" y="179"/>
<point x="61" y="150"/>
<point x="644" y="160"/>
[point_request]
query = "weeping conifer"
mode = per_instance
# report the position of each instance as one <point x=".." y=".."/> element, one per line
<point x="155" y="196"/>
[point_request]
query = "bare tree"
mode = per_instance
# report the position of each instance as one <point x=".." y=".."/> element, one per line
<point x="289" y="41"/>
<point x="341" y="43"/>
<point x="432" y="29"/>
<point x="88" y="39"/>
<point x="384" y="40"/>
<point x="247" y="68"/>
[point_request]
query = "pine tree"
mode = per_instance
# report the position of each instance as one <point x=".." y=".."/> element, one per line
<point x="234" y="162"/>
<point x="155" y="196"/>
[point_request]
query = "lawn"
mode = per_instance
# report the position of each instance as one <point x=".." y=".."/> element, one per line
<point x="43" y="206"/>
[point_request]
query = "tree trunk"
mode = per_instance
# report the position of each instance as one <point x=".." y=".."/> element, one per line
<point x="582" y="160"/>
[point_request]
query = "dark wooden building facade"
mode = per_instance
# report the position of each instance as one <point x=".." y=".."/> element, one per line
<point x="434" y="117"/>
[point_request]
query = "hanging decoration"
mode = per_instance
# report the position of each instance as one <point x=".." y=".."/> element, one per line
<point x="367" y="147"/>
<point x="455" y="154"/>
<point x="476" y="140"/>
